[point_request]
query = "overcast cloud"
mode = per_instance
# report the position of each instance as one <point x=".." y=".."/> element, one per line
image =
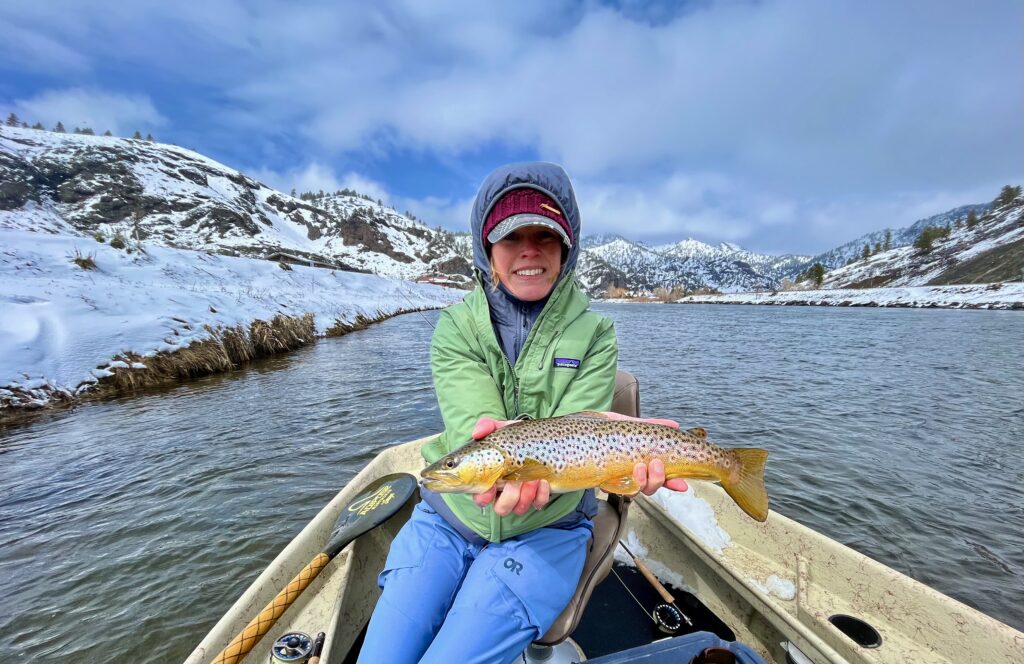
<point x="782" y="126"/>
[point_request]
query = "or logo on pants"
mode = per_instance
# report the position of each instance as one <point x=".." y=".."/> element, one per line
<point x="513" y="565"/>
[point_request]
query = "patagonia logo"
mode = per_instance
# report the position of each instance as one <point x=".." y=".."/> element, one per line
<point x="566" y="363"/>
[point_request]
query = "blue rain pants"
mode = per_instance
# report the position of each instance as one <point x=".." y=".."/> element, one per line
<point x="448" y="600"/>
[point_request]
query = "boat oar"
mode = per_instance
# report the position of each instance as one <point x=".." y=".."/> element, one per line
<point x="374" y="505"/>
<point x="663" y="614"/>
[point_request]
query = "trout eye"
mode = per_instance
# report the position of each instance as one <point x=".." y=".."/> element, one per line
<point x="449" y="464"/>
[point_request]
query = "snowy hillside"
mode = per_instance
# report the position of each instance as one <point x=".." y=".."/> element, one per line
<point x="73" y="308"/>
<point x="898" y="237"/>
<point x="169" y="196"/>
<point x="992" y="251"/>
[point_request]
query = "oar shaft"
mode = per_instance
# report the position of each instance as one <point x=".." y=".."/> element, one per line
<point x="261" y="624"/>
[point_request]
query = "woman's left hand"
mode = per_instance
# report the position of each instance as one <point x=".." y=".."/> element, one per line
<point x="651" y="476"/>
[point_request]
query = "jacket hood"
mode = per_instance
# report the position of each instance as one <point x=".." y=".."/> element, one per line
<point x="543" y="176"/>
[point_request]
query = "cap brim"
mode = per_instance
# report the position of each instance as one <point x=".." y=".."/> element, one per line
<point x="518" y="221"/>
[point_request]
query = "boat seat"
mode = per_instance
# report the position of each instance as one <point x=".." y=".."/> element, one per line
<point x="609" y="525"/>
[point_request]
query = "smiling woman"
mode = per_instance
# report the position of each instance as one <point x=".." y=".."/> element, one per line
<point x="527" y="261"/>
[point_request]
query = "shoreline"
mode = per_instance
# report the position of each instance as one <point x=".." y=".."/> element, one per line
<point x="999" y="296"/>
<point x="226" y="349"/>
<point x="82" y="319"/>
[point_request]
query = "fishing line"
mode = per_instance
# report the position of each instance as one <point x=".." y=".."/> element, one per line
<point x="642" y="607"/>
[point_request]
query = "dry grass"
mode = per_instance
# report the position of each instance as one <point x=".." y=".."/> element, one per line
<point x="226" y="349"/>
<point x="84" y="262"/>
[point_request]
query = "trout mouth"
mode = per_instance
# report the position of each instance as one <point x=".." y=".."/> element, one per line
<point x="456" y="475"/>
<point x="440" y="481"/>
<point x="443" y="477"/>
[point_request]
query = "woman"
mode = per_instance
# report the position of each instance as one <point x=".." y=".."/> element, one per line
<point x="465" y="580"/>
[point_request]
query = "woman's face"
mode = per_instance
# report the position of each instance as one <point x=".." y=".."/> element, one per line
<point x="528" y="261"/>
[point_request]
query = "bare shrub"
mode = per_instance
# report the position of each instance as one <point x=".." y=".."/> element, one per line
<point x="614" y="292"/>
<point x="84" y="262"/>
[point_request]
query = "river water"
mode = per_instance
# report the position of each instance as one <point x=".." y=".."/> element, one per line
<point x="139" y="521"/>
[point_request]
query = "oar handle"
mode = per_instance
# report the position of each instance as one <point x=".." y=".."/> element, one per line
<point x="261" y="624"/>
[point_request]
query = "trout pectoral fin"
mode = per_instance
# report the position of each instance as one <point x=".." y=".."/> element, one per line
<point x="624" y="485"/>
<point x="530" y="470"/>
<point x="700" y="432"/>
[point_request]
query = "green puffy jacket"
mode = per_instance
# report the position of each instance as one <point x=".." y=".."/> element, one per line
<point x="473" y="379"/>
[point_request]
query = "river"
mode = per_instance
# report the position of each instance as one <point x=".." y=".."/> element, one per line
<point x="135" y="523"/>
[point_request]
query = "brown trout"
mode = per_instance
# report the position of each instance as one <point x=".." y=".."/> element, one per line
<point x="587" y="450"/>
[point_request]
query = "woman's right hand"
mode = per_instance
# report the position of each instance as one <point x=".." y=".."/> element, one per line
<point x="509" y="497"/>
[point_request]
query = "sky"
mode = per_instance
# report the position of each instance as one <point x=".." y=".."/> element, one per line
<point x="782" y="126"/>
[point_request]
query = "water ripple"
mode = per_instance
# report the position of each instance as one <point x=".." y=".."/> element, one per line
<point x="892" y="431"/>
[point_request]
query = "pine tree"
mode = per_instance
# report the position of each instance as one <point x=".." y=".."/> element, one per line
<point x="959" y="223"/>
<point x="972" y="219"/>
<point x="38" y="125"/>
<point x="866" y="252"/>
<point x="88" y="132"/>
<point x="1005" y="197"/>
<point x="107" y="133"/>
<point x="24" y="125"/>
<point x="926" y="239"/>
<point x="12" y="120"/>
<point x="818" y="274"/>
<point x="137" y="136"/>
<point x="59" y="128"/>
<point x="887" y="245"/>
<point x="149" y="137"/>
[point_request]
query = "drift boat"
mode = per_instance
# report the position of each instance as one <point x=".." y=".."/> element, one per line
<point x="789" y="593"/>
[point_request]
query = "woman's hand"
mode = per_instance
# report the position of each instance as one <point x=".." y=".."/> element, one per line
<point x="651" y="476"/>
<point x="510" y="497"/>
<point x="519" y="497"/>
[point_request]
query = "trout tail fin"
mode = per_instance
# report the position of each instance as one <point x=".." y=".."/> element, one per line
<point x="746" y="486"/>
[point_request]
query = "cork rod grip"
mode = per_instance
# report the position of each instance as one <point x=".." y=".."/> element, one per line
<point x="261" y="624"/>
<point x="653" y="580"/>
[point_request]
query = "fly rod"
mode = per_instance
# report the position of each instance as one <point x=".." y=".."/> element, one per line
<point x="667" y="616"/>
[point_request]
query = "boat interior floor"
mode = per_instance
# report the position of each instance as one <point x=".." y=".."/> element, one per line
<point x="614" y="620"/>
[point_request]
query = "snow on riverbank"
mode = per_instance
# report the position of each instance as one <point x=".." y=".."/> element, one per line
<point x="61" y="324"/>
<point x="966" y="296"/>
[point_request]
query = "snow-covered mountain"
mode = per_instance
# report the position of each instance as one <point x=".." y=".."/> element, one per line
<point x="690" y="263"/>
<point x="166" y="195"/>
<point x="106" y="187"/>
<point x="992" y="251"/>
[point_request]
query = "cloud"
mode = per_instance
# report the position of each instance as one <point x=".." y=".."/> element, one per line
<point x="725" y="119"/>
<point x="30" y="50"/>
<point x="122" y="114"/>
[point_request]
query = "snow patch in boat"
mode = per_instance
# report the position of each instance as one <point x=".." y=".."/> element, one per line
<point x="664" y="573"/>
<point x="777" y="586"/>
<point x="696" y="515"/>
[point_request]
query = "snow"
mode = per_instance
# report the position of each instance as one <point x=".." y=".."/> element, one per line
<point x="775" y="585"/>
<point x="693" y="513"/>
<point x="61" y="326"/>
<point x="967" y="296"/>
<point x="696" y="515"/>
